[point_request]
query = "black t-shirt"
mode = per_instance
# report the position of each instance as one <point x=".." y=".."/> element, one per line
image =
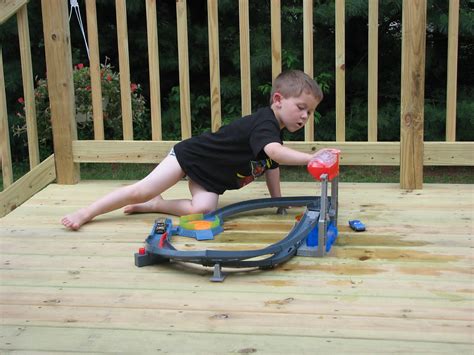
<point x="233" y="156"/>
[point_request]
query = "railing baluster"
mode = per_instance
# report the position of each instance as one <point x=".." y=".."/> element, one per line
<point x="373" y="69"/>
<point x="245" y="57"/>
<point x="275" y="14"/>
<point x="94" y="67"/>
<point x="214" y="67"/>
<point x="28" y="86"/>
<point x="308" y="58"/>
<point x="453" y="31"/>
<point x="124" y="66"/>
<point x="183" y="54"/>
<point x="154" y="70"/>
<point x="5" y="156"/>
<point x="340" y="72"/>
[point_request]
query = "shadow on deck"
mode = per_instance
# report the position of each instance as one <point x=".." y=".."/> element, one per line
<point x="404" y="285"/>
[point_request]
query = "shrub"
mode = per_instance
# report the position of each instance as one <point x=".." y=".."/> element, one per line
<point x="111" y="105"/>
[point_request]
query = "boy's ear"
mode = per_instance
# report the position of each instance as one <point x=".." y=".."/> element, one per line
<point x="276" y="99"/>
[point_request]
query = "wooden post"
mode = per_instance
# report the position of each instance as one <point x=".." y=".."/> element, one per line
<point x="412" y="94"/>
<point x="61" y="87"/>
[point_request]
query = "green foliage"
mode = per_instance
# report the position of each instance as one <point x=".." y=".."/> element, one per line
<point x="112" y="111"/>
<point x="356" y="48"/>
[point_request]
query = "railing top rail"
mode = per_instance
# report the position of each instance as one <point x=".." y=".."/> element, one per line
<point x="8" y="8"/>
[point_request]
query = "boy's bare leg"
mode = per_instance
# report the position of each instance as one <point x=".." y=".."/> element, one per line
<point x="165" y="175"/>
<point x="202" y="202"/>
<point x="152" y="205"/>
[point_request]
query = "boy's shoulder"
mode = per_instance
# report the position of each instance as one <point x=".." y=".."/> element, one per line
<point x="262" y="114"/>
<point x="263" y="117"/>
<point x="265" y="111"/>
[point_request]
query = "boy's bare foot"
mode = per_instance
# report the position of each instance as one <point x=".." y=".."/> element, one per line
<point x="75" y="220"/>
<point x="152" y="205"/>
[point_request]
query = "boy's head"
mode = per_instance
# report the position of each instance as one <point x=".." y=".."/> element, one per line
<point x="294" y="98"/>
<point x="292" y="83"/>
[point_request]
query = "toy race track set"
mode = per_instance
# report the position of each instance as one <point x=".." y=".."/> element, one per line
<point x="313" y="234"/>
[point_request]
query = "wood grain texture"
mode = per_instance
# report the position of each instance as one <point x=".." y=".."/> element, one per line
<point x="57" y="43"/>
<point x="28" y="86"/>
<point x="214" y="64"/>
<point x="353" y="153"/>
<point x="183" y="59"/>
<point x="404" y="285"/>
<point x="412" y="94"/>
<point x="96" y="86"/>
<point x="124" y="67"/>
<point x="154" y="67"/>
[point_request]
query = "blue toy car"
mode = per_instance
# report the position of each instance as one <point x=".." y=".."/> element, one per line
<point x="357" y="225"/>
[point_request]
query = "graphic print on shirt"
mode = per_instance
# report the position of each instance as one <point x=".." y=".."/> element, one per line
<point x="257" y="168"/>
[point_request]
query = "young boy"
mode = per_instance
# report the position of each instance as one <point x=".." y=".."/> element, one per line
<point x="227" y="159"/>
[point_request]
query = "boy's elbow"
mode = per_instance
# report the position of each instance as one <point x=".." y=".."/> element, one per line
<point x="273" y="151"/>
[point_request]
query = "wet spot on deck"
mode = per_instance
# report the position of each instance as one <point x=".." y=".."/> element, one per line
<point x="437" y="271"/>
<point x="393" y="254"/>
<point x="277" y="283"/>
<point x="379" y="240"/>
<point x="340" y="269"/>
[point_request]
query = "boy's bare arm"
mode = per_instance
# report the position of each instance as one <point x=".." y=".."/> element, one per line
<point x="272" y="177"/>
<point x="286" y="156"/>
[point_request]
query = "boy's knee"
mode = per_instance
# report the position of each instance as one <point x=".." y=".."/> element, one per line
<point x="200" y="209"/>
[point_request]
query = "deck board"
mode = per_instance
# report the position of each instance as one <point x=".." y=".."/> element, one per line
<point x="405" y="285"/>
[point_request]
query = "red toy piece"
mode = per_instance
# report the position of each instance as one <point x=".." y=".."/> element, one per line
<point x="325" y="161"/>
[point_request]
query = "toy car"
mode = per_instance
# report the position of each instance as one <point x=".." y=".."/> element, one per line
<point x="160" y="226"/>
<point x="357" y="225"/>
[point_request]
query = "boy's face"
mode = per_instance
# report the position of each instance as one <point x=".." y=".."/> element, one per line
<point x="293" y="112"/>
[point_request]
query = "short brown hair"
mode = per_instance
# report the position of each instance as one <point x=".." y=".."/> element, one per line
<point x="292" y="83"/>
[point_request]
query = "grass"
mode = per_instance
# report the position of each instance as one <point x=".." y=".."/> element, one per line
<point x="447" y="175"/>
<point x="352" y="173"/>
<point x="431" y="174"/>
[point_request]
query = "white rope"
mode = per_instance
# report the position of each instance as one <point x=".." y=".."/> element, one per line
<point x="77" y="10"/>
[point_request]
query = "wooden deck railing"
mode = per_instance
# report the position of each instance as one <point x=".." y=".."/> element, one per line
<point x="411" y="153"/>
<point x="41" y="173"/>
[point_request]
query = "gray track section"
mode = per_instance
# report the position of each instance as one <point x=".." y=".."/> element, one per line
<point x="277" y="253"/>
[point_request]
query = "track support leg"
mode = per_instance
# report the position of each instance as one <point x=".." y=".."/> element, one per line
<point x="218" y="275"/>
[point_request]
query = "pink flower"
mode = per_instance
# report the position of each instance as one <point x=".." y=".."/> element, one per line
<point x="133" y="87"/>
<point x="79" y="66"/>
<point x="88" y="88"/>
<point x="21" y="100"/>
<point x="109" y="77"/>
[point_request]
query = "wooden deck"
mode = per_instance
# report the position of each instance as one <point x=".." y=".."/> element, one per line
<point x="405" y="285"/>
